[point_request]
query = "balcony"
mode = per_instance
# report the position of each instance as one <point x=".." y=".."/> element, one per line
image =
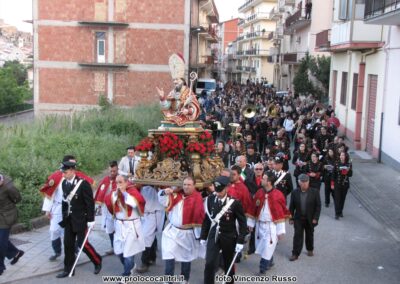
<point x="287" y="3"/>
<point x="257" y="17"/>
<point x="289" y="58"/>
<point x="255" y="35"/>
<point x="249" y="69"/>
<point x="323" y="41"/>
<point x="275" y="14"/>
<point x="297" y="21"/>
<point x="251" y="3"/>
<point x="361" y="37"/>
<point x="242" y="37"/>
<point x="382" y="12"/>
<point x="240" y="53"/>
<point x="241" y="22"/>
<point x="240" y="68"/>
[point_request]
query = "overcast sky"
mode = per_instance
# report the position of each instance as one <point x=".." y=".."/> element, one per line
<point x="13" y="12"/>
<point x="228" y="9"/>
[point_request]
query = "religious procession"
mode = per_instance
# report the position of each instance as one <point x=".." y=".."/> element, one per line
<point x="219" y="180"/>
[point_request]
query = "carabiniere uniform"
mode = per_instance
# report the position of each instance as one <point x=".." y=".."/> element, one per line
<point x="76" y="213"/>
<point x="222" y="235"/>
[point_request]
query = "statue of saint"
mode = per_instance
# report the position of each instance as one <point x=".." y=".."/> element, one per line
<point x="180" y="105"/>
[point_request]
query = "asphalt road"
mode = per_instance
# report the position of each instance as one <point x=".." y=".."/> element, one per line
<point x="355" y="249"/>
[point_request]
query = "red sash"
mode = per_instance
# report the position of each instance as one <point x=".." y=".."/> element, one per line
<point x="54" y="180"/>
<point x="114" y="206"/>
<point x="240" y="192"/>
<point x="276" y="203"/>
<point x="103" y="188"/>
<point x="193" y="208"/>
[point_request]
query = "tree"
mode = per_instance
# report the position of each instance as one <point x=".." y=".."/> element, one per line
<point x="301" y="82"/>
<point x="11" y="94"/>
<point x="320" y="68"/>
<point x="18" y="70"/>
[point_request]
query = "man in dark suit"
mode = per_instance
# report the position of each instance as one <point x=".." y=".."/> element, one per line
<point x="78" y="215"/>
<point x="305" y="208"/>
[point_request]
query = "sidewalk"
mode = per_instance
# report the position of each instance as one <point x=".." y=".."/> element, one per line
<point x="37" y="247"/>
<point x="377" y="188"/>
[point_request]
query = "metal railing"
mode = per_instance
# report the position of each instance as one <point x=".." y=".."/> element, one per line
<point x="247" y="3"/>
<point x="374" y="8"/>
<point x="297" y="16"/>
<point x="323" y="39"/>
<point x="289" y="58"/>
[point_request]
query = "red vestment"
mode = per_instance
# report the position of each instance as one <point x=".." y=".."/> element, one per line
<point x="54" y="180"/>
<point x="193" y="208"/>
<point x="103" y="188"/>
<point x="276" y="203"/>
<point x="240" y="192"/>
<point x="113" y="204"/>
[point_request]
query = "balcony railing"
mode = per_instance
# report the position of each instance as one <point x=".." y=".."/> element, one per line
<point x="257" y="16"/>
<point x="250" y="69"/>
<point x="240" y="68"/>
<point x="242" y="37"/>
<point x="382" y="11"/>
<point x="241" y="22"/>
<point x="323" y="40"/>
<point x="297" y="21"/>
<point x="289" y="58"/>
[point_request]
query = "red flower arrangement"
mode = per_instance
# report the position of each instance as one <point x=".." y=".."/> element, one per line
<point x="170" y="144"/>
<point x="204" y="146"/>
<point x="145" y="145"/>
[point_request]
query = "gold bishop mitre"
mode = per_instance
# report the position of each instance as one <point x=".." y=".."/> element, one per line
<point x="177" y="66"/>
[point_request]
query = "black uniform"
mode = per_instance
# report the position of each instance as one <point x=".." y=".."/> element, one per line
<point x="227" y="235"/>
<point x="75" y="218"/>
<point x="342" y="183"/>
<point x="285" y="185"/>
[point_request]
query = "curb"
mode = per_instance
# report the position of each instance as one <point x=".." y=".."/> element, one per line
<point x="35" y="223"/>
<point x="52" y="271"/>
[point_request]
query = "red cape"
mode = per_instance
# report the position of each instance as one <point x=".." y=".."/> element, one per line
<point x="103" y="188"/>
<point x="276" y="203"/>
<point x="54" y="180"/>
<point x="193" y="208"/>
<point x="240" y="192"/>
<point x="113" y="205"/>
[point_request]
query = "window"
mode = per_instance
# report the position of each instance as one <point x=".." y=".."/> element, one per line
<point x="343" y="7"/>
<point x="343" y="90"/>
<point x="399" y="114"/>
<point x="354" y="92"/>
<point x="101" y="47"/>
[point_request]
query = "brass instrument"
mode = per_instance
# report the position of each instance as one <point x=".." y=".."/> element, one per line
<point x="234" y="127"/>
<point x="219" y="125"/>
<point x="272" y="111"/>
<point x="319" y="110"/>
<point x="248" y="111"/>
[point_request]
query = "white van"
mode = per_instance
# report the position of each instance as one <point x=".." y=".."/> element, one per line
<point x="210" y="85"/>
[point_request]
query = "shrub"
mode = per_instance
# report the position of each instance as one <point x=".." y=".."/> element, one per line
<point x="30" y="153"/>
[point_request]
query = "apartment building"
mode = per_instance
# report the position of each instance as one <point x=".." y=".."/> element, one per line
<point x="255" y="41"/>
<point x="119" y="49"/>
<point x="229" y="31"/>
<point x="298" y="23"/>
<point x="365" y="43"/>
<point x="204" y="33"/>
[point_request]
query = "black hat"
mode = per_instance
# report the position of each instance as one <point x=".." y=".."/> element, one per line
<point x="66" y="165"/>
<point x="220" y="183"/>
<point x="278" y="159"/>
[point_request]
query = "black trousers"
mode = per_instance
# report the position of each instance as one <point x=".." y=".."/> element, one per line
<point x="150" y="253"/>
<point x="72" y="238"/>
<point x="227" y="245"/>
<point x="302" y="226"/>
<point x="340" y="197"/>
<point x="328" y="192"/>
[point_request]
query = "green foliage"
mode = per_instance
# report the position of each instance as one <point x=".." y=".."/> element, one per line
<point x="302" y="84"/>
<point x="319" y="67"/>
<point x="18" y="70"/>
<point x="104" y="103"/>
<point x="14" y="88"/>
<point x="30" y="153"/>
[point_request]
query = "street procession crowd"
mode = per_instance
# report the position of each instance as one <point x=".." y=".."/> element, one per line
<point x="261" y="137"/>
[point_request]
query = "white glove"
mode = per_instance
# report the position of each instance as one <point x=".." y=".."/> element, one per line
<point x="91" y="224"/>
<point x="238" y="247"/>
<point x="203" y="242"/>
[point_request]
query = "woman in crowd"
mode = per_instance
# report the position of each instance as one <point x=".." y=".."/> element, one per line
<point x="343" y="171"/>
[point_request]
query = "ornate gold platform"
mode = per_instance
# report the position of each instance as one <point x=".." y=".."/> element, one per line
<point x="160" y="170"/>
